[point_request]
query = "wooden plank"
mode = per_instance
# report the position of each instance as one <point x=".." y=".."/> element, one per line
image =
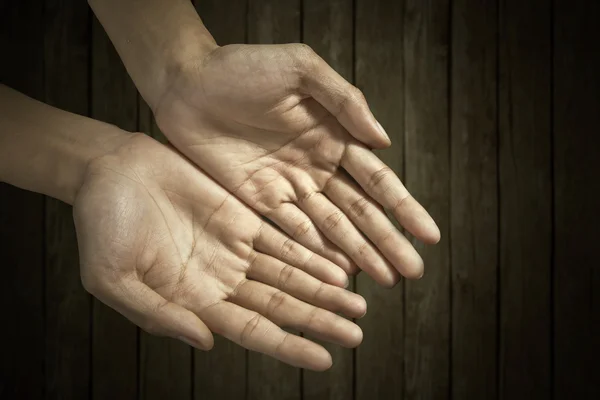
<point x="474" y="211"/>
<point x="165" y="364"/>
<point x="67" y="303"/>
<point x="214" y="371"/>
<point x="22" y="219"/>
<point x="525" y="191"/>
<point x="273" y="21"/>
<point x="114" y="344"/>
<point x="379" y="73"/>
<point x="576" y="189"/>
<point x="225" y="19"/>
<point x="427" y="176"/>
<point x="327" y="28"/>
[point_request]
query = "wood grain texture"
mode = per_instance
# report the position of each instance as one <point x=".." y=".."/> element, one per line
<point x="226" y="20"/>
<point x="22" y="219"/>
<point x="427" y="176"/>
<point x="221" y="372"/>
<point x="379" y="73"/>
<point x="474" y="211"/>
<point x="68" y="316"/>
<point x="576" y="189"/>
<point x="273" y="21"/>
<point x="525" y="168"/>
<point x="114" y="338"/>
<point x="327" y="28"/>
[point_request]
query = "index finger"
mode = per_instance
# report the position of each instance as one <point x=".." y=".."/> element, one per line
<point x="383" y="185"/>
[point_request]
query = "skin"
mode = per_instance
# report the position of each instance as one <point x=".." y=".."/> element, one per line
<point x="172" y="250"/>
<point x="277" y="127"/>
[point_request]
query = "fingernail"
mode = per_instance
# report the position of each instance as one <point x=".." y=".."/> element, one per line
<point x="347" y="283"/>
<point x="383" y="131"/>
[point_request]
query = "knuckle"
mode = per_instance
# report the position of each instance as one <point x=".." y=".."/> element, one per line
<point x="360" y="208"/>
<point x="401" y="202"/>
<point x="332" y="221"/>
<point x="302" y="229"/>
<point x="379" y="176"/>
<point x="303" y="50"/>
<point x="249" y="329"/>
<point x="318" y="291"/>
<point x="287" y="248"/>
<point x="353" y="96"/>
<point x="276" y="301"/>
<point x="312" y="316"/>
<point x="362" y="251"/>
<point x="357" y="95"/>
<point x="284" y="276"/>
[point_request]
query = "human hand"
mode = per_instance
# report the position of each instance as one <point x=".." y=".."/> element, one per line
<point x="179" y="256"/>
<point x="277" y="127"/>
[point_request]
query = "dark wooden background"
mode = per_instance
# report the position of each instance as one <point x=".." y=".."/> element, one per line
<point x="494" y="110"/>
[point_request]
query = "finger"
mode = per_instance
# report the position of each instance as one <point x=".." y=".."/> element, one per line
<point x="340" y="98"/>
<point x="153" y="313"/>
<point x="300" y="227"/>
<point x="338" y="228"/>
<point x="382" y="184"/>
<point x="287" y="311"/>
<point x="301" y="285"/>
<point x="368" y="216"/>
<point x="274" y="243"/>
<point x="255" y="332"/>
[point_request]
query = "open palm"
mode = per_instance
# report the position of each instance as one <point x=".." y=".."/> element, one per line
<point x="282" y="131"/>
<point x="178" y="255"/>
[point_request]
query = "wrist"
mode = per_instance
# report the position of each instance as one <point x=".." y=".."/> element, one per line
<point x="74" y="167"/>
<point x="47" y="150"/>
<point x="155" y="40"/>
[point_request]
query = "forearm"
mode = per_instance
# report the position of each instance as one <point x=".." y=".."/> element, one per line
<point x="153" y="38"/>
<point x="46" y="150"/>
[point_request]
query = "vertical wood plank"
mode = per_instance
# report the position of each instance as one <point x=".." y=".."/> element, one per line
<point x="273" y="21"/>
<point x="427" y="176"/>
<point x="67" y="303"/>
<point x="474" y="211"/>
<point x="327" y="28"/>
<point x="22" y="219"/>
<point x="576" y="189"/>
<point x="114" y="338"/>
<point x="379" y="73"/>
<point x="221" y="372"/>
<point x="525" y="199"/>
<point x="165" y="364"/>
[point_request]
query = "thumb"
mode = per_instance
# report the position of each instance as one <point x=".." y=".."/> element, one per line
<point x="342" y="99"/>
<point x="154" y="314"/>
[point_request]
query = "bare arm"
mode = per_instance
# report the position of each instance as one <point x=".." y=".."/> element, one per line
<point x="154" y="38"/>
<point x="46" y="151"/>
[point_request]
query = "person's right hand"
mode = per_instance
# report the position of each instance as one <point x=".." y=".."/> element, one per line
<point x="179" y="256"/>
<point x="280" y="129"/>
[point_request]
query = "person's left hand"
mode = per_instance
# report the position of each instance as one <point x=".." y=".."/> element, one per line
<point x="178" y="255"/>
<point x="281" y="130"/>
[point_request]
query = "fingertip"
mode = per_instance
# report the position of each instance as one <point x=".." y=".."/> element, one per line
<point x="414" y="266"/>
<point x="208" y="342"/>
<point x="356" y="336"/>
<point x="388" y="279"/>
<point x="340" y="278"/>
<point x="357" y="306"/>
<point x="320" y="359"/>
<point x="435" y="236"/>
